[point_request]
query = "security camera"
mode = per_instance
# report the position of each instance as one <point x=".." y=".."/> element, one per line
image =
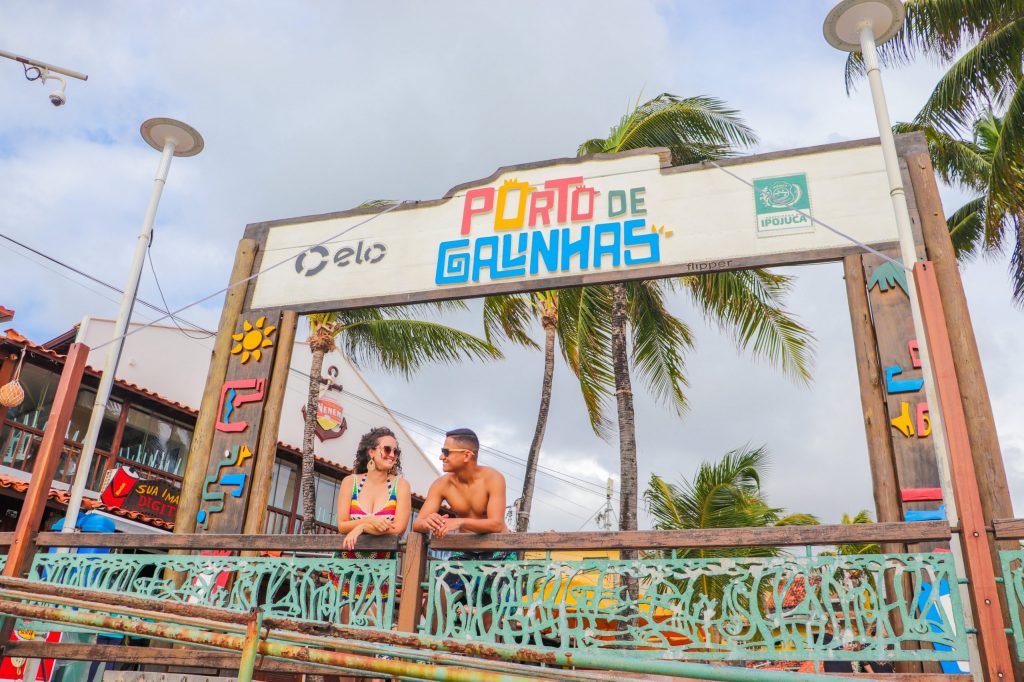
<point x="58" y="98"/>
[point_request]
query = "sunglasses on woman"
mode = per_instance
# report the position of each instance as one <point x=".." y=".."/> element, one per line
<point x="387" y="449"/>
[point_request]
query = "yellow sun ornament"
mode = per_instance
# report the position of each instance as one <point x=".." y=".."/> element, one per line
<point x="252" y="339"/>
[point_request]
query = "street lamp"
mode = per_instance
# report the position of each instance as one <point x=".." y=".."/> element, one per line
<point x="172" y="138"/>
<point x="859" y="25"/>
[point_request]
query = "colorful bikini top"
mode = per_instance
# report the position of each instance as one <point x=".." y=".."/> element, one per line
<point x="388" y="510"/>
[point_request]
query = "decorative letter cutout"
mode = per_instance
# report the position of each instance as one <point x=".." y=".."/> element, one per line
<point x="903" y="386"/>
<point x="229" y="395"/>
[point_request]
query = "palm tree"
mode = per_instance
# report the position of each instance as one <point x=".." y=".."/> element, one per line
<point x="982" y="43"/>
<point x="746" y="303"/>
<point x="509" y="316"/>
<point x="389" y="338"/>
<point x="722" y="494"/>
<point x="981" y="224"/>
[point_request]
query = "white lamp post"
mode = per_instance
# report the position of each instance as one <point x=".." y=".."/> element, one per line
<point x="172" y="138"/>
<point x="859" y="25"/>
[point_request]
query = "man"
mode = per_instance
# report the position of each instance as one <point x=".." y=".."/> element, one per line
<point x="477" y="495"/>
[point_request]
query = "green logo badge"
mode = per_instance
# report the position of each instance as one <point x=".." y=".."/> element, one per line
<point x="782" y="205"/>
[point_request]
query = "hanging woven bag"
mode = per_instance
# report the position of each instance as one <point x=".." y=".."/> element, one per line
<point x="11" y="393"/>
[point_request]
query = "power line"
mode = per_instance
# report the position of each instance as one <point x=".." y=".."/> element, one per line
<point x="573" y="481"/>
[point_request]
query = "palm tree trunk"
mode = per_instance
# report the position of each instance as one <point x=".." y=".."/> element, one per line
<point x="309" y="430"/>
<point x="624" y="402"/>
<point x="549" y="320"/>
<point x="627" y="440"/>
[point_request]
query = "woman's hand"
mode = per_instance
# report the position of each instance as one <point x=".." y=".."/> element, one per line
<point x="349" y="542"/>
<point x="376" y="525"/>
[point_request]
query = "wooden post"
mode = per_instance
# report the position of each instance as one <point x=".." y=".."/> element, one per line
<point x="414" y="569"/>
<point x="22" y="550"/>
<point x="202" y="436"/>
<point x="263" y="471"/>
<point x="881" y="458"/>
<point x="988" y="617"/>
<point x="872" y="400"/>
<point x="977" y="407"/>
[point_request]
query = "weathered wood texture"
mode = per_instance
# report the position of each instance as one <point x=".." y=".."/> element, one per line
<point x="977" y="406"/>
<point x="881" y="457"/>
<point x="906" y="403"/>
<point x="988" y="617"/>
<point x="6" y="539"/>
<point x="295" y="543"/>
<point x="202" y="436"/>
<point x="266" y="455"/>
<point x="414" y="568"/>
<point x="726" y="537"/>
<point x="22" y="547"/>
<point x="241" y="407"/>
<point x="1009" y="529"/>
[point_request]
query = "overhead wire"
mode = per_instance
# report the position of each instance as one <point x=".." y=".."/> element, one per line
<point x="566" y="479"/>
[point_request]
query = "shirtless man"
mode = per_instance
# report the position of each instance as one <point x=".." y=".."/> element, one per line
<point x="476" y="493"/>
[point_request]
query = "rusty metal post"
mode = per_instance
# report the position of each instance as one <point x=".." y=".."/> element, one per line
<point x="251" y="645"/>
<point x="988" y="617"/>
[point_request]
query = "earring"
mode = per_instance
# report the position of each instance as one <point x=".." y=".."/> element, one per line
<point x="371" y="465"/>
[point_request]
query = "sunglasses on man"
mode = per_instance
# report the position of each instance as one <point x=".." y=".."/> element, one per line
<point x="445" y="452"/>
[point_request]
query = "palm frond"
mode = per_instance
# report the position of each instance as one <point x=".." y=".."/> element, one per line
<point x="957" y="162"/>
<point x="989" y="68"/>
<point x="967" y="228"/>
<point x="509" y="317"/>
<point x="404" y="346"/>
<point x="584" y="329"/>
<point x="692" y="128"/>
<point x="660" y="341"/>
<point x="748" y="304"/>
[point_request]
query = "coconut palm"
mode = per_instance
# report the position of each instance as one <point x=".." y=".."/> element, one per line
<point x="392" y="339"/>
<point x="982" y="43"/>
<point x="722" y="494"/>
<point x="748" y="304"/>
<point x="980" y="225"/>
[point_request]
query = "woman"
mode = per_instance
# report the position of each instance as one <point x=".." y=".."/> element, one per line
<point x="375" y="499"/>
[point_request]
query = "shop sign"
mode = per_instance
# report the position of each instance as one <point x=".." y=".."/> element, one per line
<point x="573" y="222"/>
<point x="153" y="497"/>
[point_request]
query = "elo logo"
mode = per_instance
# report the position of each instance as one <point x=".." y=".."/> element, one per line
<point x="313" y="260"/>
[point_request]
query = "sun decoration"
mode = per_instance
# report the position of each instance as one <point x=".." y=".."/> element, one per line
<point x="251" y="339"/>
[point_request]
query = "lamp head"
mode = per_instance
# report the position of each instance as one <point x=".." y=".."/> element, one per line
<point x="187" y="140"/>
<point x="843" y="24"/>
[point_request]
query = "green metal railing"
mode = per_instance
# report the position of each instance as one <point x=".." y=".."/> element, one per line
<point x="1013" y="582"/>
<point x="725" y="609"/>
<point x="321" y="590"/>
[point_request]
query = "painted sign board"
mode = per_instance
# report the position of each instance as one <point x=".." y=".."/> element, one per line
<point x="153" y="497"/>
<point x="571" y="222"/>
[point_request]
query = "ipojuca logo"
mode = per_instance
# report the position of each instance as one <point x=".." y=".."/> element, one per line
<point x="315" y="259"/>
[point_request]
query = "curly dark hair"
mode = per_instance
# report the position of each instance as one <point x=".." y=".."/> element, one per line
<point x="369" y="442"/>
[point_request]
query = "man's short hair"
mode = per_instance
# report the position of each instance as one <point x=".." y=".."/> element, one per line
<point x="465" y="438"/>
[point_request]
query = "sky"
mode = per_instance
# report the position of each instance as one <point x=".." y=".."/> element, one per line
<point x="314" y="107"/>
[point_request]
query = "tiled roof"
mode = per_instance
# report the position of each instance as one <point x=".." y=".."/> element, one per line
<point x="18" y="339"/>
<point x="62" y="497"/>
<point x="6" y="314"/>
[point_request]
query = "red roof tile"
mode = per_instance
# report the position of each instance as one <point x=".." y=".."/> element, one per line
<point x="6" y="314"/>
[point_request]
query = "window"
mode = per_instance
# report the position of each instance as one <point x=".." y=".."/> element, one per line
<point x="282" y="491"/>
<point x="39" y="385"/>
<point x="327" y="499"/>
<point x="155" y="442"/>
<point x="79" y="423"/>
